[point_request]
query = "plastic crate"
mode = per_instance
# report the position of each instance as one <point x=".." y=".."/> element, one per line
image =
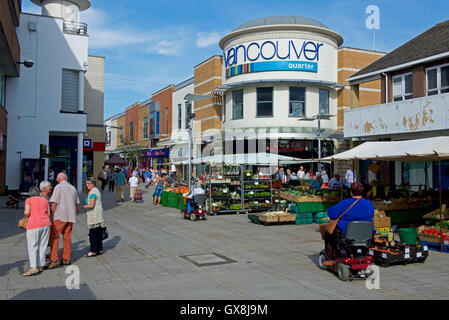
<point x="320" y="215"/>
<point x="164" y="198"/>
<point x="309" y="207"/>
<point x="304" y="221"/>
<point x="305" y="215"/>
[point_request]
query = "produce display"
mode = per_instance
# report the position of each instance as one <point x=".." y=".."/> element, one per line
<point x="312" y="195"/>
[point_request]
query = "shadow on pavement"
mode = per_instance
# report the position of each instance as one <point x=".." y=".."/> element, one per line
<point x="57" y="293"/>
<point x="5" y="268"/>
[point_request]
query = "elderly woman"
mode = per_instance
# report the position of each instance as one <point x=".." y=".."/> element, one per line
<point x="353" y="209"/>
<point x="45" y="187"/>
<point x="95" y="221"/>
<point x="37" y="210"/>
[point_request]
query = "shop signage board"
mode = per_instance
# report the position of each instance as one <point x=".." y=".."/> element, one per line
<point x="272" y="55"/>
<point x="160" y="153"/>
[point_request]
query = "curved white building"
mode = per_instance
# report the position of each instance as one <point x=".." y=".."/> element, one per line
<point x="276" y="71"/>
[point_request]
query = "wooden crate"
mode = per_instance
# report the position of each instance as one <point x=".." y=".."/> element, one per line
<point x="266" y="219"/>
<point x="287" y="217"/>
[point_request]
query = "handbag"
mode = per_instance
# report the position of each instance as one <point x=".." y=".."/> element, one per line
<point x="104" y="233"/>
<point x="138" y="195"/>
<point x="331" y="225"/>
<point x="22" y="224"/>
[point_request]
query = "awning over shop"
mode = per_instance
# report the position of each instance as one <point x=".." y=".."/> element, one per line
<point x="419" y="150"/>
<point x="250" y="158"/>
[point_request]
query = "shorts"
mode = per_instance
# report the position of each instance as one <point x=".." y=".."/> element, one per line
<point x="158" y="191"/>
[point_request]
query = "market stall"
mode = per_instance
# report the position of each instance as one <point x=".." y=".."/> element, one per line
<point x="420" y="150"/>
<point x="242" y="183"/>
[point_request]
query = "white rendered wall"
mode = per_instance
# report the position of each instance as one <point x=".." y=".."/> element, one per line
<point x="180" y="134"/>
<point x="34" y="99"/>
<point x="281" y="96"/>
<point x="61" y="9"/>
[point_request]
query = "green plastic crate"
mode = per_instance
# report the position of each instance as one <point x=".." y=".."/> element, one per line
<point x="304" y="221"/>
<point x="309" y="207"/>
<point x="305" y="215"/>
<point x="320" y="215"/>
<point x="164" y="198"/>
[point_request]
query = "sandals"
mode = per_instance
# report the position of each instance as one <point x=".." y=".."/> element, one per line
<point x="90" y="254"/>
<point x="93" y="254"/>
<point x="31" y="273"/>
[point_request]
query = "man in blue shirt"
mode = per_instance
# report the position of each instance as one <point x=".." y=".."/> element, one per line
<point x="363" y="210"/>
<point x="120" y="182"/>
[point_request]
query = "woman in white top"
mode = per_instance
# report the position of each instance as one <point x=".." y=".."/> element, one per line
<point x="95" y="221"/>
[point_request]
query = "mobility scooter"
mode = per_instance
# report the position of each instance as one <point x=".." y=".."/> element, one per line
<point x="354" y="261"/>
<point x="198" y="209"/>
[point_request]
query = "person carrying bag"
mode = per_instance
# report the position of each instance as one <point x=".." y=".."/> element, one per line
<point x="353" y="209"/>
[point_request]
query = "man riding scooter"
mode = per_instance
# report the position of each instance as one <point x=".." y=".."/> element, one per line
<point x="192" y="205"/>
<point x="349" y="210"/>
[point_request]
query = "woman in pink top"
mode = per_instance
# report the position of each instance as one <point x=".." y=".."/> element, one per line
<point x="38" y="230"/>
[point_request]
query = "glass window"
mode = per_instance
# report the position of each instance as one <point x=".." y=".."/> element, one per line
<point x="438" y="80"/>
<point x="145" y="128"/>
<point x="188" y="112"/>
<point x="70" y="91"/>
<point x="445" y="79"/>
<point x="152" y="123"/>
<point x="408" y="86"/>
<point x="237" y="104"/>
<point x="265" y="102"/>
<point x="403" y="87"/>
<point x="131" y="131"/>
<point x="297" y="102"/>
<point x="166" y="121"/>
<point x="324" y="101"/>
<point x="179" y="116"/>
<point x="121" y="135"/>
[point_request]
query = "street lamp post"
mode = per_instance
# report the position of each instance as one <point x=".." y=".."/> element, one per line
<point x="192" y="97"/>
<point x="318" y="117"/>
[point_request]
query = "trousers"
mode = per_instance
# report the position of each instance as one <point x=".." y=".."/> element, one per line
<point x="37" y="241"/>
<point x="96" y="240"/>
<point x="57" y="229"/>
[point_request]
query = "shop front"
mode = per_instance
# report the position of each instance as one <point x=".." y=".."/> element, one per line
<point x="157" y="159"/>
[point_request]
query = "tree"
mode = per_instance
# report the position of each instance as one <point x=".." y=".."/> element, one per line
<point x="132" y="151"/>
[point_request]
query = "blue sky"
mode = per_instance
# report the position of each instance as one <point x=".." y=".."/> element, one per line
<point x="149" y="44"/>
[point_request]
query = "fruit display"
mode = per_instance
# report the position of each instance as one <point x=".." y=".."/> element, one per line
<point x="433" y="235"/>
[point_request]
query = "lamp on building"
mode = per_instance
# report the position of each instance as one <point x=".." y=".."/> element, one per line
<point x="26" y="63"/>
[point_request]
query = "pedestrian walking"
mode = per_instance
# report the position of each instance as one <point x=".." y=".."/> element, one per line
<point x="111" y="180"/>
<point x="64" y="203"/>
<point x="45" y="187"/>
<point x="350" y="176"/>
<point x="133" y="184"/>
<point x="95" y="220"/>
<point x="147" y="176"/>
<point x="120" y="181"/>
<point x="38" y="230"/>
<point x="160" y="183"/>
<point x="103" y="177"/>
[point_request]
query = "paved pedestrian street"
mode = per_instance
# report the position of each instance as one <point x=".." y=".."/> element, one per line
<point x="153" y="253"/>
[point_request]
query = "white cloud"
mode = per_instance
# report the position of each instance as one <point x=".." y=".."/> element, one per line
<point x="207" y="39"/>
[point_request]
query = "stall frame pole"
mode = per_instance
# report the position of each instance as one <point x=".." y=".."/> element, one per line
<point x="441" y="204"/>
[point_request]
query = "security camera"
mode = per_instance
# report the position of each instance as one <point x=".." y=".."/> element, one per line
<point x="28" y="63"/>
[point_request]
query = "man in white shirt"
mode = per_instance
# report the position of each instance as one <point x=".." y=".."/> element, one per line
<point x="301" y="173"/>
<point x="133" y="184"/>
<point x="350" y="176"/>
<point x="325" y="177"/>
<point x="371" y="177"/>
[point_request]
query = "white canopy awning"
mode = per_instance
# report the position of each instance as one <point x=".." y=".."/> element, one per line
<point x="250" y="158"/>
<point x="428" y="149"/>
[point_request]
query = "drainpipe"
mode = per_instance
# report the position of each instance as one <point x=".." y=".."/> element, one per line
<point x="386" y="87"/>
